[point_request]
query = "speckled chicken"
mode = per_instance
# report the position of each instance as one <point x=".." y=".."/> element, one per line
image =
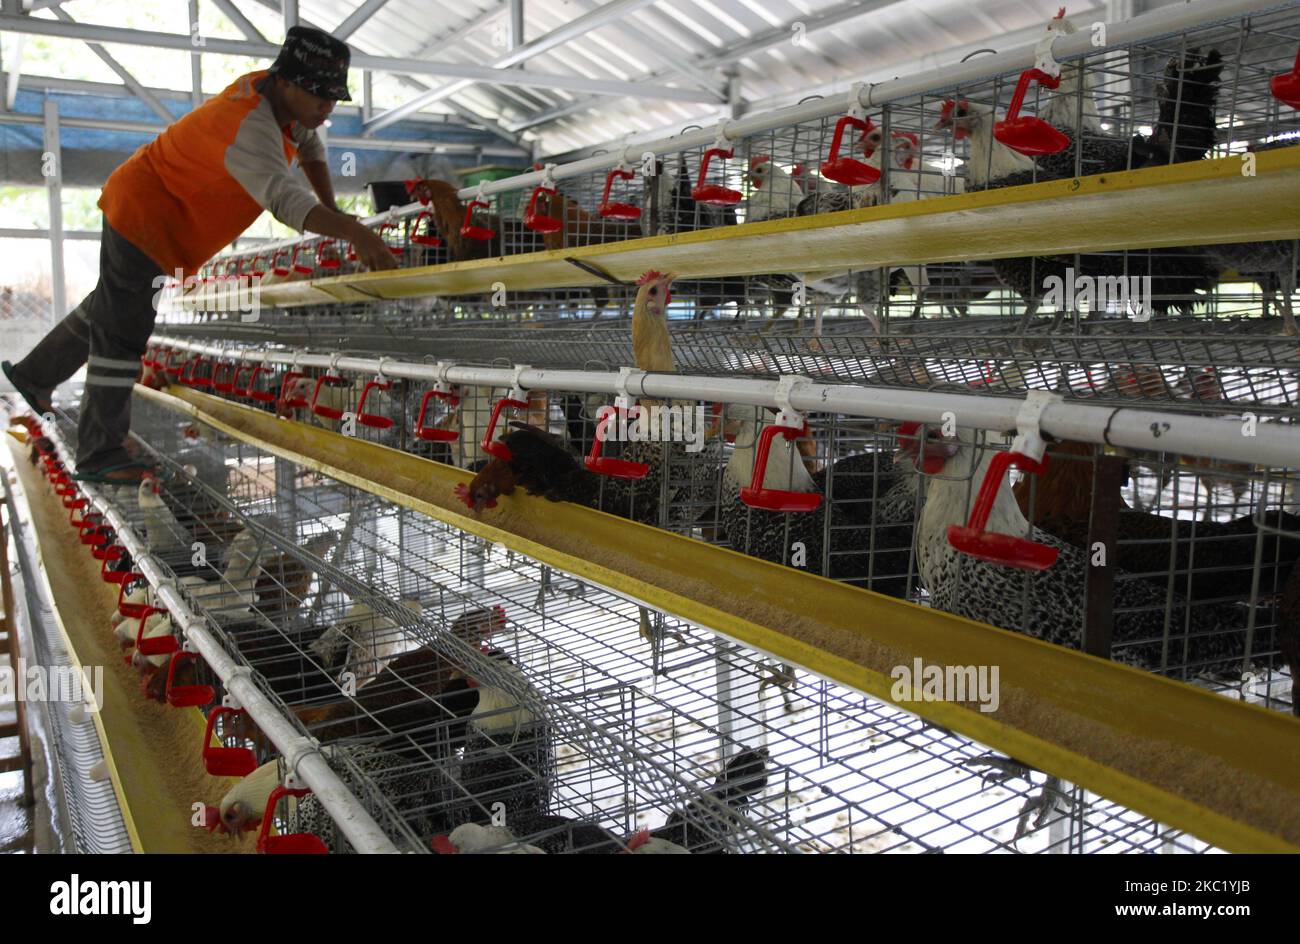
<point x="509" y="754"/>
<point x="871" y="510"/>
<point x="1049" y="604"/>
<point x="1211" y="559"/>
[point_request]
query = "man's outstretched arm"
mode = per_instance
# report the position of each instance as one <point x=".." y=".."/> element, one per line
<point x="318" y="175"/>
<point x="372" y="251"/>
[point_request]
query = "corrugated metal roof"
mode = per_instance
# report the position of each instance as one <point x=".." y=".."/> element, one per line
<point x="888" y="38"/>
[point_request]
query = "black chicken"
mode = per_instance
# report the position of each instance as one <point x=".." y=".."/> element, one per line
<point x="700" y="826"/>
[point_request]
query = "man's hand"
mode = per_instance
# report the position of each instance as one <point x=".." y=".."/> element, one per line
<point x="372" y="252"/>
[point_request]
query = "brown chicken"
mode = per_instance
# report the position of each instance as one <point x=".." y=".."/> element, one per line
<point x="420" y="696"/>
<point x="285" y="578"/>
<point x="580" y="227"/>
<point x="449" y="216"/>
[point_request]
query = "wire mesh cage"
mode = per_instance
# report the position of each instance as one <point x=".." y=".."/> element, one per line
<point x="454" y="683"/>
<point x="1208" y="91"/>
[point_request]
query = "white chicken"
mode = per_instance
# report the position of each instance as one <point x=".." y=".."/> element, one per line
<point x="645" y="844"/>
<point x="162" y="531"/>
<point x="338" y="398"/>
<point x="234" y="594"/>
<point x="774" y="194"/>
<point x="370" y="640"/>
<point x="244" y="804"/>
<point x="1062" y="109"/>
<point x="1049" y="604"/>
<point x="471" y="838"/>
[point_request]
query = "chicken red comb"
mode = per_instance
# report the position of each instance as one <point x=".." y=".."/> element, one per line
<point x="649" y="276"/>
<point x="462" y="492"/>
<point x="1060" y="14"/>
<point x="639" y="840"/>
<point x="759" y="159"/>
<point x="443" y="845"/>
<point x="910" y="135"/>
<point x="211" y="817"/>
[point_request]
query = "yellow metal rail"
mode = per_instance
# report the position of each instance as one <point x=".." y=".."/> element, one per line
<point x="1222" y="770"/>
<point x="1200" y="202"/>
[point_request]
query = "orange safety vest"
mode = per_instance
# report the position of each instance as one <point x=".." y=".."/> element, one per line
<point x="174" y="198"/>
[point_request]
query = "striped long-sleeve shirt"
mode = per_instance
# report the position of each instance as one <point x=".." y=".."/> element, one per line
<point x="194" y="188"/>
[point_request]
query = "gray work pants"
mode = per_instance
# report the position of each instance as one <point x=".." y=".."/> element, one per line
<point x="108" y="332"/>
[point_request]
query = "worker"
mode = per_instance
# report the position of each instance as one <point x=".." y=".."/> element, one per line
<point x="172" y="206"/>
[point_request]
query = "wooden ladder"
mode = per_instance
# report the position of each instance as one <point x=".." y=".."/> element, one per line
<point x="9" y="649"/>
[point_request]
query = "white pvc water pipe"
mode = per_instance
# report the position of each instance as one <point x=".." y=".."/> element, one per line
<point x="1268" y="444"/>
<point x="1164" y="21"/>
<point x="301" y="754"/>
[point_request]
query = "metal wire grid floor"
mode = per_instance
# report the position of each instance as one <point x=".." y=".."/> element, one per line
<point x="1119" y="362"/>
<point x="642" y="728"/>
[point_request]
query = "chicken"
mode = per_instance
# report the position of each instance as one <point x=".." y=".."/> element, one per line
<point x="163" y="533"/>
<point x="870" y="508"/>
<point x="542" y="465"/>
<point x="1049" y="604"/>
<point x="904" y="180"/>
<point x="1184" y="131"/>
<point x="286" y="578"/>
<point x="371" y="640"/>
<point x="244" y="804"/>
<point x="1211" y="559"/>
<point x="651" y="346"/>
<point x="701" y="827"/>
<point x="228" y="597"/>
<point x="412" y="790"/>
<point x="471" y="839"/>
<point x="560" y="835"/>
<point x="1073" y="105"/>
<point x="580" y="227"/>
<point x="1176" y="273"/>
<point x="643" y="843"/>
<point x="669" y="207"/>
<point x="774" y="193"/>
<point x="648" y="499"/>
<point x="420" y="703"/>
<point x="340" y="398"/>
<point x="242" y="807"/>
<point x="905" y="184"/>
<point x="509" y="757"/>
<point x="449" y="215"/>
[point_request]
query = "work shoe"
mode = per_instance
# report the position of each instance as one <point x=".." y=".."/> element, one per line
<point x="123" y="473"/>
<point x="41" y="402"/>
